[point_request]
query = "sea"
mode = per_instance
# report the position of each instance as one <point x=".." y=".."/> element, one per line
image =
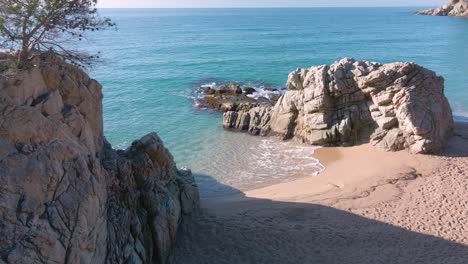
<point x="155" y="58"/>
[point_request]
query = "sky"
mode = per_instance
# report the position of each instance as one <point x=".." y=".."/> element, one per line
<point x="261" y="3"/>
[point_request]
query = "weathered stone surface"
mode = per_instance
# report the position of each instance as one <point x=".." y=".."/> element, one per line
<point x="254" y="120"/>
<point x="394" y="106"/>
<point x="452" y="8"/>
<point x="147" y="200"/>
<point x="65" y="195"/>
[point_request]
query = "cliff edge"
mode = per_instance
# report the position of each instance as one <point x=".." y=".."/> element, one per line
<point x="452" y="8"/>
<point x="65" y="195"/>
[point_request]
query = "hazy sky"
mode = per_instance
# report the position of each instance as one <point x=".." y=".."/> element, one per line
<point x="264" y="3"/>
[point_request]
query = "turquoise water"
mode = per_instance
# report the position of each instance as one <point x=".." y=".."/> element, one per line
<point x="156" y="57"/>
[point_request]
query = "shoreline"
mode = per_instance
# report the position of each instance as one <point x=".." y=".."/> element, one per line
<point x="363" y="165"/>
<point x="374" y="164"/>
<point x="241" y="162"/>
<point x="368" y="206"/>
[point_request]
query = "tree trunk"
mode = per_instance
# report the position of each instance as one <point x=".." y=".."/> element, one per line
<point x="23" y="55"/>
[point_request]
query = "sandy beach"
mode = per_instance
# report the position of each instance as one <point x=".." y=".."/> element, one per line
<point x="368" y="206"/>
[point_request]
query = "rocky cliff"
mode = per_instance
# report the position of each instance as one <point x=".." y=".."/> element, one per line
<point x="65" y="195"/>
<point x="452" y="8"/>
<point x="394" y="106"/>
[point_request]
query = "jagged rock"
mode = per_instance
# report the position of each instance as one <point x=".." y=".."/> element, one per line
<point x="224" y="102"/>
<point x="452" y="8"/>
<point x="65" y="195"/>
<point x="230" y="97"/>
<point x="232" y="88"/>
<point x="149" y="190"/>
<point x="394" y="106"/>
<point x="255" y="120"/>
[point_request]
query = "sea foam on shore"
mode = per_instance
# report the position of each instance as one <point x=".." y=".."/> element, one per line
<point x="242" y="162"/>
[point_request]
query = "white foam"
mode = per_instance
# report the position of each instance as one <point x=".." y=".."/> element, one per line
<point x="246" y="162"/>
<point x="259" y="91"/>
<point x="208" y="85"/>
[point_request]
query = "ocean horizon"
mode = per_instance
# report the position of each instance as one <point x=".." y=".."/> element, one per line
<point x="157" y="57"/>
<point x="418" y="8"/>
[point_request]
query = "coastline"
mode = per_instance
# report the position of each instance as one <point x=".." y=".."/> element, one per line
<point x="348" y="171"/>
<point x="272" y="194"/>
<point x="393" y="205"/>
<point x="362" y="165"/>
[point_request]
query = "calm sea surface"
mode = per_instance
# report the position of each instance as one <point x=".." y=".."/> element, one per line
<point x="156" y="57"/>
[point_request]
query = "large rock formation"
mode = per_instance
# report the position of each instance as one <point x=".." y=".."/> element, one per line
<point x="65" y="195"/>
<point x="452" y="8"/>
<point x="394" y="106"/>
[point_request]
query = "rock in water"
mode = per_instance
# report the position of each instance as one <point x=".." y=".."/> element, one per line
<point x="65" y="195"/>
<point x="233" y="97"/>
<point x="394" y="106"/>
<point x="452" y="8"/>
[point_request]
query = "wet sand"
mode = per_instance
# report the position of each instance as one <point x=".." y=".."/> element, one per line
<point x="347" y="171"/>
<point x="368" y="206"/>
<point x="244" y="162"/>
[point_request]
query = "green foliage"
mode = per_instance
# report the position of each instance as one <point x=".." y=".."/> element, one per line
<point x="35" y="26"/>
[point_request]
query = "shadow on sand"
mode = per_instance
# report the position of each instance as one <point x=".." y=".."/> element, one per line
<point x="235" y="229"/>
<point x="457" y="145"/>
<point x="239" y="230"/>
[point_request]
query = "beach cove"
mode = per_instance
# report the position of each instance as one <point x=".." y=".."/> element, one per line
<point x="368" y="206"/>
<point x="149" y="73"/>
<point x="233" y="135"/>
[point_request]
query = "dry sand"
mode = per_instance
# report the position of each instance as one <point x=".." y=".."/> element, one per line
<point x="368" y="206"/>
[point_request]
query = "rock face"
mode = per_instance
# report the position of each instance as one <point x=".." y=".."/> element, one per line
<point x="394" y="106"/>
<point x="452" y="8"/>
<point x="65" y="195"/>
<point x="245" y="107"/>
<point x="255" y="119"/>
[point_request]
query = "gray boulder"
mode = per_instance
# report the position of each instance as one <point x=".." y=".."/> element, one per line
<point x="254" y="120"/>
<point x="393" y="106"/>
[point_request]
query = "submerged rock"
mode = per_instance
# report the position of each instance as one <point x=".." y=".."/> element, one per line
<point x="394" y="106"/>
<point x="248" y="90"/>
<point x="230" y="97"/>
<point x="65" y="195"/>
<point x="452" y="8"/>
<point x="232" y="88"/>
